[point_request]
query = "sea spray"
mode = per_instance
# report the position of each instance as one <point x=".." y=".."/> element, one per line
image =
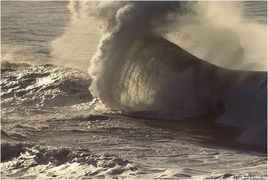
<point x="218" y="32"/>
<point x="122" y="24"/>
<point x="221" y="33"/>
<point x="78" y="43"/>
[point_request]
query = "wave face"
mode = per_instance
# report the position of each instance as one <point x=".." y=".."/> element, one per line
<point x="182" y="86"/>
<point x="135" y="69"/>
<point x="153" y="74"/>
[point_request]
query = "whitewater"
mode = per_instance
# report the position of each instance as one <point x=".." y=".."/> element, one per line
<point x="134" y="90"/>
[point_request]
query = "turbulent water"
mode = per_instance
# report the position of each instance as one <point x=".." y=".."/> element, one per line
<point x="173" y="90"/>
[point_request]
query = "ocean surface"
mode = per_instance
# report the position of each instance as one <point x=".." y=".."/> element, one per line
<point x="103" y="90"/>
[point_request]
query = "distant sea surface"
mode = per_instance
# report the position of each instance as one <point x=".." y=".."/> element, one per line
<point x="28" y="28"/>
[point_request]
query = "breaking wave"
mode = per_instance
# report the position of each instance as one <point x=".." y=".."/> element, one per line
<point x="136" y="69"/>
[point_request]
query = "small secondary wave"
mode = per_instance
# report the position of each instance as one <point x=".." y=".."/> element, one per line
<point x="42" y="86"/>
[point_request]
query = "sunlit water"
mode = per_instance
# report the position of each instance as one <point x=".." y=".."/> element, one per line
<point x="51" y="112"/>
